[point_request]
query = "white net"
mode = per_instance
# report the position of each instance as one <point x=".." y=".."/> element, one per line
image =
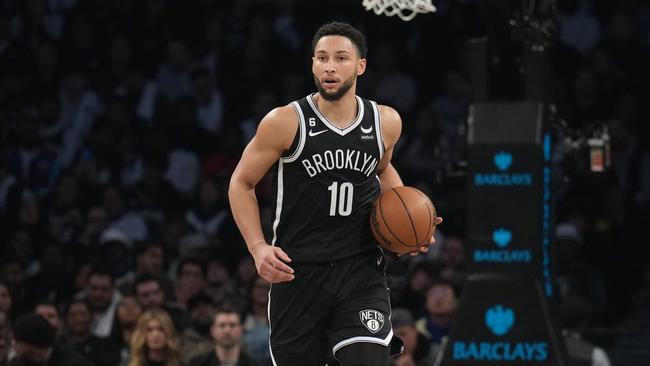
<point x="405" y="9"/>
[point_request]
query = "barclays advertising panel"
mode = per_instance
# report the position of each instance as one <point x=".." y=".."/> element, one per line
<point x="504" y="208"/>
<point x="505" y="321"/>
<point x="503" y="176"/>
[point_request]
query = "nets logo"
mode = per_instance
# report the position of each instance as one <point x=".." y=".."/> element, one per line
<point x="500" y="320"/>
<point x="503" y="160"/>
<point x="372" y="319"/>
<point x="502" y="237"/>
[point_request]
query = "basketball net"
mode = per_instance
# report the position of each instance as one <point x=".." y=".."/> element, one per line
<point x="405" y="9"/>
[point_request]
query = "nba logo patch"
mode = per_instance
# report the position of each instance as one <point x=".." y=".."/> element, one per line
<point x="372" y="320"/>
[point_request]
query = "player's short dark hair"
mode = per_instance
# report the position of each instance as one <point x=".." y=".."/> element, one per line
<point x="344" y="30"/>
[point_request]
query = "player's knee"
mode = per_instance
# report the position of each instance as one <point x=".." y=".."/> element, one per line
<point x="363" y="354"/>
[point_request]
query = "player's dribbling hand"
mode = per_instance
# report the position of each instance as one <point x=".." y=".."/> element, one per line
<point x="270" y="263"/>
<point x="425" y="248"/>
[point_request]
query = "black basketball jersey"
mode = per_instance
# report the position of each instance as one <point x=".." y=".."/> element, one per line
<point x="326" y="185"/>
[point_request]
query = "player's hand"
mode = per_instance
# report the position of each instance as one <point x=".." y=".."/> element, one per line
<point x="425" y="248"/>
<point x="270" y="263"/>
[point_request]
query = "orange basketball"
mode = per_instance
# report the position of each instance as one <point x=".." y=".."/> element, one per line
<point x="402" y="219"/>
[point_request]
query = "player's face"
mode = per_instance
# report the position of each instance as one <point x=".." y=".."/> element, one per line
<point x="336" y="65"/>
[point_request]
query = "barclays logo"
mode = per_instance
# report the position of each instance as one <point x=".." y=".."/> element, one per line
<point x="502" y="160"/>
<point x="499" y="319"/>
<point x="502" y="237"/>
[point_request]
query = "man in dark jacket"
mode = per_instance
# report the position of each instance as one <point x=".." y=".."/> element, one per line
<point x="34" y="345"/>
<point x="227" y="334"/>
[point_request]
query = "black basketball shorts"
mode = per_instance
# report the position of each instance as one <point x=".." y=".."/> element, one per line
<point x="329" y="306"/>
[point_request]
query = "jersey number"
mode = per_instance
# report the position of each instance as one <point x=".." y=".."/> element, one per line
<point x="341" y="198"/>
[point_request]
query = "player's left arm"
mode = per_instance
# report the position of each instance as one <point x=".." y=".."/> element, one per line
<point x="391" y="128"/>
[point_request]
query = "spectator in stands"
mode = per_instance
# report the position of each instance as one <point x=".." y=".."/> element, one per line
<point x="12" y="274"/>
<point x="574" y="314"/>
<point x="128" y="222"/>
<point x="52" y="281"/>
<point x="574" y="275"/>
<point x="50" y="312"/>
<point x="173" y="77"/>
<point x="441" y="305"/>
<point x="5" y="338"/>
<point x="34" y="340"/>
<point x="420" y="279"/>
<point x="5" y="299"/>
<point x="35" y="344"/>
<point x="208" y="213"/>
<point x="209" y="102"/>
<point x="128" y="313"/>
<point x="190" y="279"/>
<point x="196" y="339"/>
<point x="154" y="341"/>
<point x="227" y="334"/>
<point x="103" y="299"/>
<point x="150" y="294"/>
<point x="418" y="349"/>
<point x="451" y="257"/>
<point x="220" y="283"/>
<point x="95" y="222"/>
<point x="77" y="336"/>
<point x="149" y="259"/>
<point x="256" y="322"/>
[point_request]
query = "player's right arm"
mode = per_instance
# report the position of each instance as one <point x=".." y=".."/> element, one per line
<point x="274" y="136"/>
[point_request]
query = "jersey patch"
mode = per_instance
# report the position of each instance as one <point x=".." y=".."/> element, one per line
<point x="372" y="319"/>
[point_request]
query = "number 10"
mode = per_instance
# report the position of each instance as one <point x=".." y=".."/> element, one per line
<point x="341" y="201"/>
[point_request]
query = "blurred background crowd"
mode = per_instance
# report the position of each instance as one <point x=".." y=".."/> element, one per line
<point x="121" y="122"/>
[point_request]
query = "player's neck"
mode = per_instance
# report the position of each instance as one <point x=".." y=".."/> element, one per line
<point x="340" y="112"/>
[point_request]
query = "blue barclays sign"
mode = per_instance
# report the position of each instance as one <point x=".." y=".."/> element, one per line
<point x="500" y="320"/>
<point x="503" y="161"/>
<point x="502" y="237"/>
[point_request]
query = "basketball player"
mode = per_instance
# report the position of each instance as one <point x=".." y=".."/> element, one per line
<point x="332" y="152"/>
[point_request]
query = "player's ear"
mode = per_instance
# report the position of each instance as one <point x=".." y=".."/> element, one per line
<point x="361" y="66"/>
<point x="313" y="60"/>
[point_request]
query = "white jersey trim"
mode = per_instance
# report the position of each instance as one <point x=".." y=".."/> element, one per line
<point x="380" y="139"/>
<point x="302" y="134"/>
<point x="330" y="125"/>
<point x="349" y="341"/>
<point x="278" y="205"/>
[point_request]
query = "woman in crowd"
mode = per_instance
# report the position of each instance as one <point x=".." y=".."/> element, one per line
<point x="154" y="342"/>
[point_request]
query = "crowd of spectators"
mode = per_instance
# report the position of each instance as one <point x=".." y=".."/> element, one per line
<point x="121" y="122"/>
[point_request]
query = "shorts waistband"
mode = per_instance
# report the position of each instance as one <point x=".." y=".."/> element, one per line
<point x="332" y="263"/>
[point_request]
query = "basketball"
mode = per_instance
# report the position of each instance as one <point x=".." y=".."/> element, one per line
<point x="402" y="219"/>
